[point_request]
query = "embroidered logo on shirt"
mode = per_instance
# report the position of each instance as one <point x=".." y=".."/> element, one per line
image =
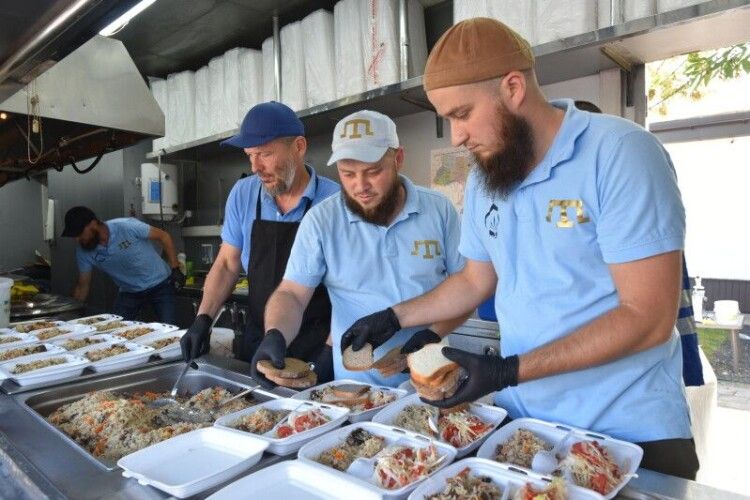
<point x="428" y="246"/>
<point x="492" y="220"/>
<point x="124" y="244"/>
<point x="355" y="133"/>
<point x="563" y="221"/>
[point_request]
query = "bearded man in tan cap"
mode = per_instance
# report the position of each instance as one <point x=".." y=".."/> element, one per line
<point x="575" y="222"/>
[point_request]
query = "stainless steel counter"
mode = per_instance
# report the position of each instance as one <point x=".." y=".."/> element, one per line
<point x="36" y="462"/>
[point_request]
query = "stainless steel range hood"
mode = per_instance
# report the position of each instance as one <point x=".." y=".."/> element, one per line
<point x="92" y="102"/>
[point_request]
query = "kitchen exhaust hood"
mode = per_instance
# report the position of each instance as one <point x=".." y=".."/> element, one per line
<point x="92" y="102"/>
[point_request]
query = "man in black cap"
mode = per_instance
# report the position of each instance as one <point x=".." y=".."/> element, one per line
<point x="122" y="248"/>
<point x="262" y="215"/>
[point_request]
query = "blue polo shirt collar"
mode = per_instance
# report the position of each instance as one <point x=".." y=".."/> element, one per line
<point x="307" y="194"/>
<point x="574" y="124"/>
<point x="411" y="206"/>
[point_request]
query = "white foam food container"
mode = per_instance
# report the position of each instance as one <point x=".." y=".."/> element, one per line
<point x="97" y="318"/>
<point x="487" y="399"/>
<point x="23" y="338"/>
<point x="72" y="368"/>
<point x="72" y="332"/>
<point x="355" y="416"/>
<point x="50" y="348"/>
<point x="193" y="462"/>
<point x="136" y="355"/>
<point x="492" y="415"/>
<point x="127" y="323"/>
<point x="171" y="351"/>
<point x="290" y="444"/>
<point x="393" y="436"/>
<point x="294" y="479"/>
<point x="507" y="478"/>
<point x="155" y="328"/>
<point x="104" y="337"/>
<point x="627" y="455"/>
<point x="13" y="326"/>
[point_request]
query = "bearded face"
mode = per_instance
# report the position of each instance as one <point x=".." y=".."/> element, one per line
<point x="383" y="211"/>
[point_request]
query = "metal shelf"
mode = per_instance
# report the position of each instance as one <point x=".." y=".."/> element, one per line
<point x="712" y="24"/>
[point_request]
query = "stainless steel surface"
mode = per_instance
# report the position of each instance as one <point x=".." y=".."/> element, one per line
<point x="19" y="479"/>
<point x="43" y="304"/>
<point x="403" y="38"/>
<point x="41" y="404"/>
<point x="237" y="396"/>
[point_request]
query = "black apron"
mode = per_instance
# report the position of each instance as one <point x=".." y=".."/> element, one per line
<point x="270" y="246"/>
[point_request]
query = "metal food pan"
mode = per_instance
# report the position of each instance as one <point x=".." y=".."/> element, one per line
<point x="42" y="403"/>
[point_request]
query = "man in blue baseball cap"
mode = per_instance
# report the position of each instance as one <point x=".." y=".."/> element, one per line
<point x="262" y="215"/>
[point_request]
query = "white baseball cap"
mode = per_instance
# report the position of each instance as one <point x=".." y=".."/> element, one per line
<point x="363" y="136"/>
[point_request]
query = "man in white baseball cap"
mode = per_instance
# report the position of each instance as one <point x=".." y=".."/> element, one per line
<point x="381" y="239"/>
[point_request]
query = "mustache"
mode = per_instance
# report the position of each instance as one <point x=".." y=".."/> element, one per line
<point x="380" y="214"/>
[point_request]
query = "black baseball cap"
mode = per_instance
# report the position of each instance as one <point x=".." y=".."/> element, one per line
<point x="76" y="219"/>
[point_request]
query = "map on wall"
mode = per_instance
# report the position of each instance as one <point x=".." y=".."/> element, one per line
<point x="449" y="168"/>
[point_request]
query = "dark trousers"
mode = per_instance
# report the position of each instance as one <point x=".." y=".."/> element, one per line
<point x="161" y="297"/>
<point x="675" y="457"/>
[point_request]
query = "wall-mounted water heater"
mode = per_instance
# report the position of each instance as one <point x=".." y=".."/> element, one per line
<point x="155" y="193"/>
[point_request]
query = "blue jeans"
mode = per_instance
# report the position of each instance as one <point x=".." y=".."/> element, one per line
<point x="161" y="297"/>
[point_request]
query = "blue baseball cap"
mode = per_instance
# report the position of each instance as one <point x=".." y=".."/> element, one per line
<point x="265" y="122"/>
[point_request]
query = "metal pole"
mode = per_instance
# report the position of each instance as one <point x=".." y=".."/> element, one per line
<point x="403" y="37"/>
<point x="276" y="58"/>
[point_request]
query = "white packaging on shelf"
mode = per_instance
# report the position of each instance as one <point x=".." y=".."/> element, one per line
<point x="637" y="9"/>
<point x="159" y="91"/>
<point x="557" y="19"/>
<point x="231" y="109"/>
<point x="517" y="15"/>
<point x="466" y="9"/>
<point x="251" y="80"/>
<point x="347" y="41"/>
<point x="417" y="39"/>
<point x="293" y="87"/>
<point x="317" y="32"/>
<point x="202" y="103"/>
<point x="180" y="123"/>
<point x="269" y="84"/>
<point x="215" y="94"/>
<point x="667" y="5"/>
<point x="380" y="43"/>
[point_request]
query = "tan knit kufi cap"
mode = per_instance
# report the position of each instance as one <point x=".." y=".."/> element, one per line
<point x="475" y="50"/>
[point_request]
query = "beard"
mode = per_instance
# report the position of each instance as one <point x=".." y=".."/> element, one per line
<point x="505" y="169"/>
<point x="382" y="213"/>
<point x="284" y="180"/>
<point x="92" y="243"/>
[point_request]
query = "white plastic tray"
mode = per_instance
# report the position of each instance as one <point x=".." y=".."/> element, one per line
<point x="627" y="455"/>
<point x="508" y="479"/>
<point x="136" y="355"/>
<point x="51" y="349"/>
<point x="25" y="338"/>
<point x="492" y="415"/>
<point x="487" y="399"/>
<point x="105" y="317"/>
<point x="193" y="462"/>
<point x="128" y="323"/>
<point x="291" y="444"/>
<point x="354" y="416"/>
<point x="170" y="351"/>
<point x="293" y="479"/>
<point x="105" y="337"/>
<point x="156" y="327"/>
<point x="312" y="450"/>
<point x="56" y="373"/>
<point x="73" y="331"/>
<point x="57" y="323"/>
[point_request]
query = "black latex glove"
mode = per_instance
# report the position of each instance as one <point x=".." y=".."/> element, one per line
<point x="486" y="373"/>
<point x="419" y="340"/>
<point x="374" y="329"/>
<point x="196" y="341"/>
<point x="324" y="364"/>
<point x="178" y="279"/>
<point x="273" y="348"/>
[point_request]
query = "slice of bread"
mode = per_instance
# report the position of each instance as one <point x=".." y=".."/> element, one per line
<point x="308" y="380"/>
<point x="391" y="363"/>
<point x="293" y="368"/>
<point x="349" y="391"/>
<point x="358" y="361"/>
<point x="428" y="366"/>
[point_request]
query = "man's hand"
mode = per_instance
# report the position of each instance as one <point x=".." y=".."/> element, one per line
<point x="486" y="373"/>
<point x="273" y="348"/>
<point x="178" y="279"/>
<point x="374" y="329"/>
<point x="419" y="340"/>
<point x="196" y="341"/>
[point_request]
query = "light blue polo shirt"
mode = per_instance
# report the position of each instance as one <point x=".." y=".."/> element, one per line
<point x="129" y="257"/>
<point x="367" y="268"/>
<point x="240" y="209"/>
<point x="621" y="203"/>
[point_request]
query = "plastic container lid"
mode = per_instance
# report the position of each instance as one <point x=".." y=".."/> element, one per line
<point x="193" y="462"/>
<point x="291" y="480"/>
